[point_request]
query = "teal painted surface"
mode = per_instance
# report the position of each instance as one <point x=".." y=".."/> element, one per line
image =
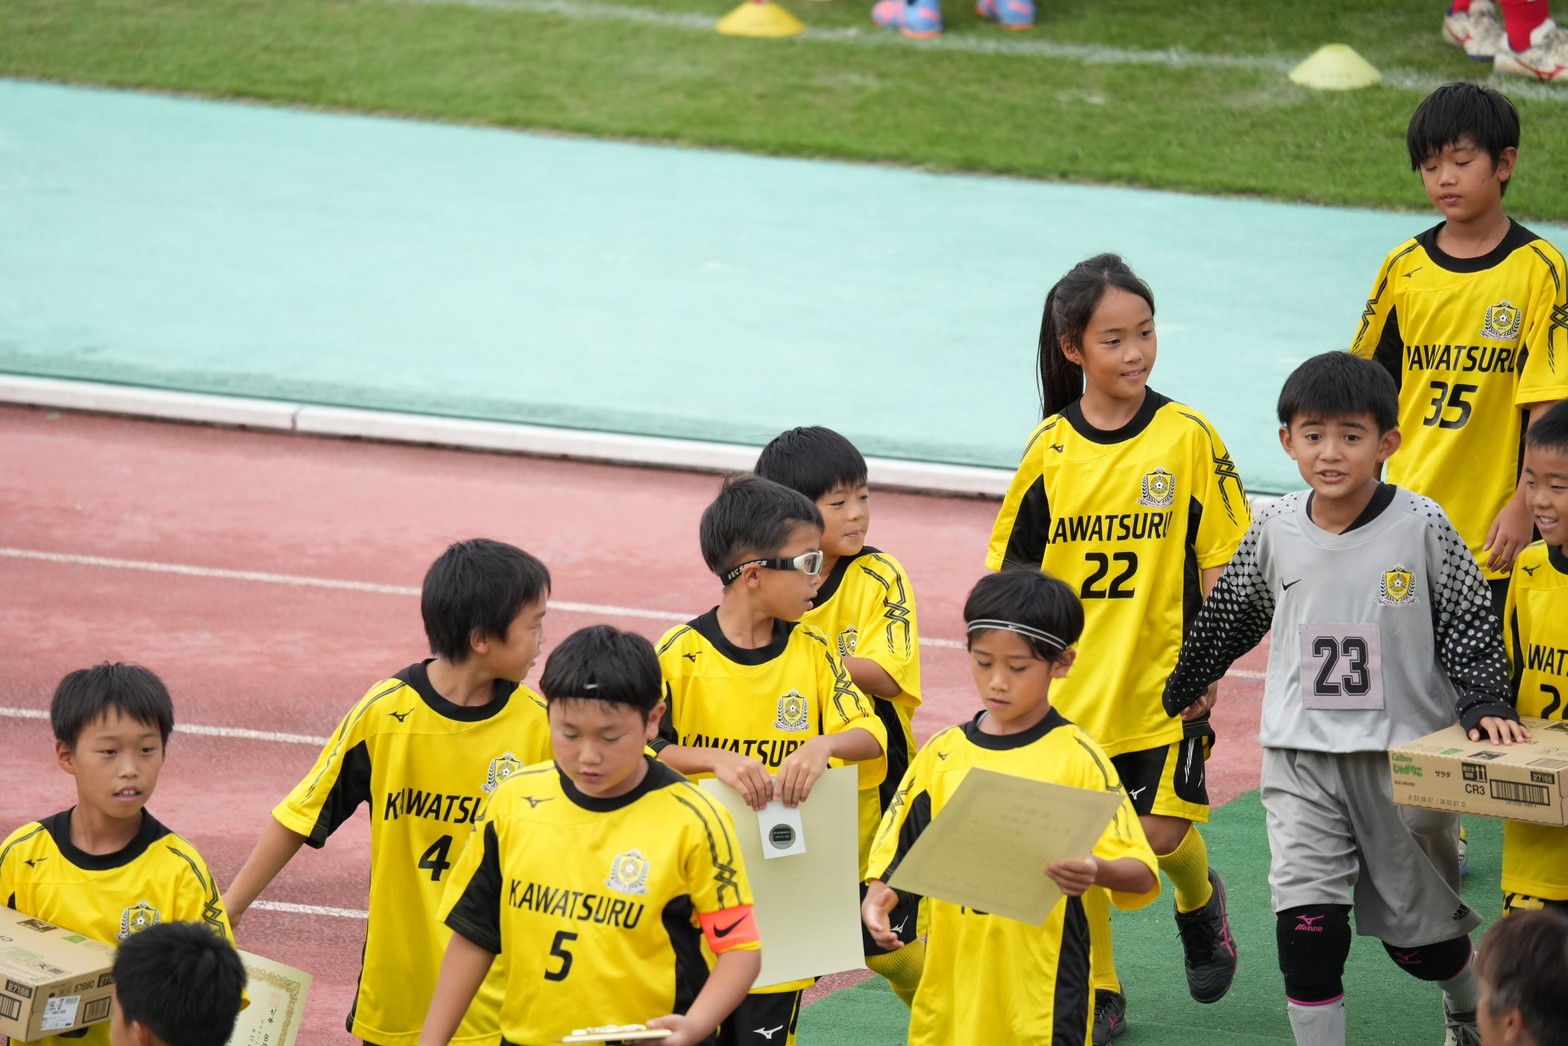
<point x="474" y="272"/>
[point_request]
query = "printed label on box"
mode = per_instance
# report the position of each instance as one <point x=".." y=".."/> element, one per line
<point x="60" y="1013"/>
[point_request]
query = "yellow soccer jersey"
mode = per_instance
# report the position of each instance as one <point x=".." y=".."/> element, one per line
<point x="1535" y="631"/>
<point x="988" y="978"/>
<point x="762" y="703"/>
<point x="427" y="769"/>
<point x="159" y="877"/>
<point x="1130" y="519"/>
<point x="600" y="906"/>
<point x="866" y="608"/>
<point x="1468" y="341"/>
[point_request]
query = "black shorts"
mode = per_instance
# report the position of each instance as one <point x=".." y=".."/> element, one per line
<point x="760" y="1017"/>
<point x="1169" y="781"/>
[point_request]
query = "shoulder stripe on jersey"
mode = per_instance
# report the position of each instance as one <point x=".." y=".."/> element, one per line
<point x="1559" y="318"/>
<point x="1224" y="468"/>
<point x="1040" y="430"/>
<point x="895" y="604"/>
<point x="1371" y="307"/>
<point x="675" y="635"/>
<point x="723" y="865"/>
<point x="19" y="842"/>
<point x="212" y="904"/>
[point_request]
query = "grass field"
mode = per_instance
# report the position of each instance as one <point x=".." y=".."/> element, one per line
<point x="1188" y="96"/>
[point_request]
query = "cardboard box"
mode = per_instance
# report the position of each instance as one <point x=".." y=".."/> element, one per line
<point x="1520" y="782"/>
<point x="52" y="980"/>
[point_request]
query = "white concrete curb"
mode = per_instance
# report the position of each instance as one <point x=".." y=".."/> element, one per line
<point x="533" y="440"/>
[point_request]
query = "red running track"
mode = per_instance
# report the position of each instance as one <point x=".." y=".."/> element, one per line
<point x="270" y="579"/>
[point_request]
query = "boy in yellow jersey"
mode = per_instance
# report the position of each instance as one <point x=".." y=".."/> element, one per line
<point x="425" y="749"/>
<point x="756" y="698"/>
<point x="865" y="605"/>
<point x="600" y="876"/>
<point x="175" y="984"/>
<point x="1535" y="630"/>
<point x="106" y="868"/>
<point x="1471" y="319"/>
<point x="990" y="979"/>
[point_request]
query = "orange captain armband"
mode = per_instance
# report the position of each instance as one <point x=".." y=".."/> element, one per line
<point x="729" y="927"/>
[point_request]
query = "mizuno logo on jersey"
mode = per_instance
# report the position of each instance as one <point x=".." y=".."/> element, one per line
<point x="574" y="904"/>
<point x="434" y="806"/>
<point x="1115" y="526"/>
<point x="1552" y="660"/>
<point x="691" y="656"/>
<point x="1530" y="570"/>
<point x="400" y="716"/>
<point x="768" y="752"/>
<point x="1480" y="359"/>
<point x="1503" y="321"/>
<point x="35" y="861"/>
<point x="768" y="1033"/>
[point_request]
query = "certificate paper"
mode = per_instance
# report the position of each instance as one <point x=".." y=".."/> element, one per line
<point x="988" y="847"/>
<point x="277" y="1003"/>
<point x="807" y="904"/>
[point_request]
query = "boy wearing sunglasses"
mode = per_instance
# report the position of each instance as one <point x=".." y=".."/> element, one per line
<point x="757" y="699"/>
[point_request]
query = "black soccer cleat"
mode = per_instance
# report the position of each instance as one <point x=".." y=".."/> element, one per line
<point x="1110" y="1016"/>
<point x="1209" y="947"/>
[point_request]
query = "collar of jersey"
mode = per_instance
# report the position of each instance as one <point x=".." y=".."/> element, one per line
<point x="417" y="678"/>
<point x="59" y="829"/>
<point x="1557" y="558"/>
<point x="658" y="776"/>
<point x="1152" y="402"/>
<point x="1006" y="742"/>
<point x="835" y="576"/>
<point x="1517" y="236"/>
<point x="707" y="626"/>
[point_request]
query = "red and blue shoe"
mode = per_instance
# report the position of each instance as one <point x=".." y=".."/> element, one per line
<point x="1012" y="15"/>
<point x="919" y="19"/>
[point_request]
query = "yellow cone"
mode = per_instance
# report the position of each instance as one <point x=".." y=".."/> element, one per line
<point x="760" y="18"/>
<point x="1335" y="67"/>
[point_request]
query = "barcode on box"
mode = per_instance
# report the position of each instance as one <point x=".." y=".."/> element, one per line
<point x="10" y="1007"/>
<point x="96" y="1010"/>
<point x="1518" y="792"/>
<point x="1550" y="764"/>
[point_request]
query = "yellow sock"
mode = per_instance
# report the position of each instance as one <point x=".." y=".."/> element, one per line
<point x="901" y="968"/>
<point x="1188" y="869"/>
<point x="1102" y="951"/>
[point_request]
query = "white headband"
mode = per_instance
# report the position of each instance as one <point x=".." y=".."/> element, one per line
<point x="987" y="624"/>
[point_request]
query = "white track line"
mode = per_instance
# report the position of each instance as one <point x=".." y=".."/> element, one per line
<point x="1038" y="47"/>
<point x="310" y="909"/>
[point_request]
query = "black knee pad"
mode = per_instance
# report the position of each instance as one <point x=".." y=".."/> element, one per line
<point x="1314" y="941"/>
<point x="1432" y="962"/>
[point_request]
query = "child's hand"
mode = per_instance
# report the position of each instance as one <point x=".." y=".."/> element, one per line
<point x="747" y="776"/>
<point x="1500" y="731"/>
<point x="684" y="1032"/>
<point x="1202" y="705"/>
<point x="1510" y="533"/>
<point x="800" y="770"/>
<point x="880" y="899"/>
<point x="1074" y="877"/>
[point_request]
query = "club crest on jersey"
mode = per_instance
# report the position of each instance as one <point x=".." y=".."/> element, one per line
<point x="501" y="767"/>
<point x="137" y="918"/>
<point x="1502" y="322"/>
<point x="846" y="642"/>
<point x="1159" y="489"/>
<point x="1397" y="589"/>
<point x="629" y="873"/>
<point x="794" y="712"/>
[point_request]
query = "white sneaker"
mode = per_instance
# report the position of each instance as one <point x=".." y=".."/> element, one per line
<point x="1477" y="32"/>
<point x="1459" y="1028"/>
<point x="1546" y="60"/>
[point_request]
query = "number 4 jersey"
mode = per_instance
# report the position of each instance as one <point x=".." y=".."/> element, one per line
<point x="1382" y="633"/>
<point x="1468" y="341"/>
<point x="427" y="768"/>
<point x="1129" y="519"/>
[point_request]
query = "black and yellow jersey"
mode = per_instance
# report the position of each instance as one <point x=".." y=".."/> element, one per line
<point x="1469" y="341"/>
<point x="1535" y="631"/>
<point x="427" y="769"/>
<point x="157" y="877"/>
<point x="601" y="907"/>
<point x="1130" y="519"/>
<point x="989" y="978"/>
<point x="866" y="608"/>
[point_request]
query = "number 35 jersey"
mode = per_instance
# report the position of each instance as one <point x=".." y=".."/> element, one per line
<point x="427" y="768"/>
<point x="1130" y="519"/>
<point x="1468" y="341"/>
<point x="1381" y="634"/>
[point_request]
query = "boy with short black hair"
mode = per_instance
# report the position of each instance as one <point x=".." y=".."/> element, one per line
<point x="175" y="984"/>
<point x="748" y="689"/>
<point x="649" y="860"/>
<point x="1383" y="632"/>
<point x="1535" y="624"/>
<point x="425" y="749"/>
<point x="1469" y="320"/>
<point x="865" y="605"/>
<point x="1523" y="965"/>
<point x="106" y="868"/>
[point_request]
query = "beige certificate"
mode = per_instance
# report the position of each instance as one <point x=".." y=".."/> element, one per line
<point x="277" y="1003"/>
<point x="988" y="847"/>
<point x="807" y="904"/>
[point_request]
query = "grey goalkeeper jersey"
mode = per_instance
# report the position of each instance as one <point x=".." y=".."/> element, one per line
<point x="1381" y="634"/>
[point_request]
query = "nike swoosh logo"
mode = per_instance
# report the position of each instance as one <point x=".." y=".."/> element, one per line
<point x="726" y="931"/>
<point x="1286" y="586"/>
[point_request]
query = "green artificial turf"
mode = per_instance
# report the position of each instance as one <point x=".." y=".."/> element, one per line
<point x="1134" y="92"/>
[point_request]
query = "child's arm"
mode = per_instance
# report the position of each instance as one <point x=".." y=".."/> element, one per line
<point x="276" y="847"/>
<point x="1513" y="528"/>
<point x="1122" y="875"/>
<point x="733" y="974"/>
<point x="1199" y="708"/>
<point x="462" y="972"/>
<point x="871" y="678"/>
<point x="1235" y="617"/>
<point x="742" y="773"/>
